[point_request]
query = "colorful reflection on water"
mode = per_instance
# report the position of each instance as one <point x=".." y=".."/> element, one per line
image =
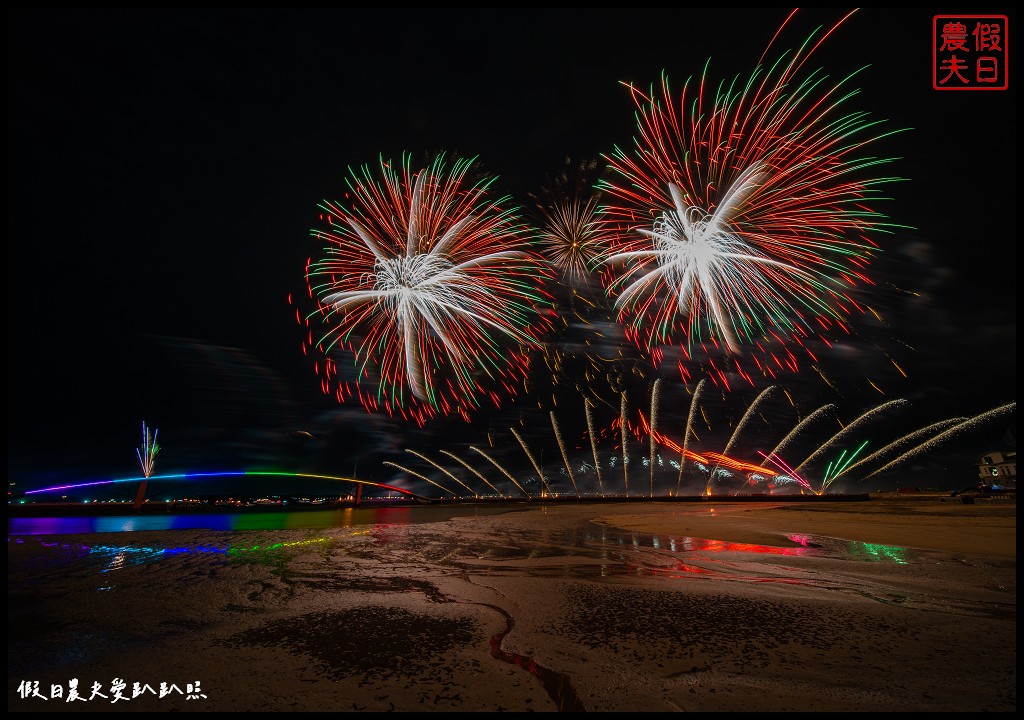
<point x="118" y="557"/>
<point x="383" y="526"/>
<point x="880" y="553"/>
<point x="232" y="522"/>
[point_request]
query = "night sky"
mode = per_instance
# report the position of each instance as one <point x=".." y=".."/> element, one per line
<point x="164" y="170"/>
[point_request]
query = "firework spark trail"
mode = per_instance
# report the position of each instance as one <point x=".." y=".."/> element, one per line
<point x="147" y="453"/>
<point x="421" y="477"/>
<point x="838" y="467"/>
<point x="729" y="463"/>
<point x="707" y="457"/>
<point x="850" y="428"/>
<point x="445" y="471"/>
<point x="503" y="470"/>
<point x="147" y="458"/>
<point x="623" y="407"/>
<point x="763" y="395"/>
<point x="743" y="215"/>
<point x="533" y="461"/>
<point x="747" y="415"/>
<point x="473" y="470"/>
<point x="687" y="432"/>
<point x="589" y="410"/>
<point x="655" y="401"/>
<point x="429" y="284"/>
<point x="789" y="472"/>
<point x="945" y="435"/>
<point x="906" y="439"/>
<point x="813" y="417"/>
<point x="565" y="456"/>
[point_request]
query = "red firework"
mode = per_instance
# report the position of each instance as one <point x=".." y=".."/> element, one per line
<point x="429" y="294"/>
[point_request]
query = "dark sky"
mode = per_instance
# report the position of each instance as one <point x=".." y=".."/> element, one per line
<point x="164" y="170"/>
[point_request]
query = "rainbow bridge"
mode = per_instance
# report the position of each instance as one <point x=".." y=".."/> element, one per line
<point x="230" y="473"/>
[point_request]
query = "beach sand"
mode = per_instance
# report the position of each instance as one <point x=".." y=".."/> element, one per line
<point x="891" y="604"/>
<point x="927" y="522"/>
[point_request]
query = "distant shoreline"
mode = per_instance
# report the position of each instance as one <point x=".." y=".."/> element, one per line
<point x="102" y="508"/>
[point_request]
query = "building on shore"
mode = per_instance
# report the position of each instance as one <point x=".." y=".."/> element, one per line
<point x="999" y="468"/>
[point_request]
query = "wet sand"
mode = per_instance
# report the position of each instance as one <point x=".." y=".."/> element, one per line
<point x="928" y="522"/>
<point x="887" y="605"/>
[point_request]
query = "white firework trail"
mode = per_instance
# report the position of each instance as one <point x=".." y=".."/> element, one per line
<point x="623" y="407"/>
<point x="588" y="409"/>
<point x="421" y="477"/>
<point x="739" y="428"/>
<point x="905" y="440"/>
<point x="445" y="471"/>
<point x="813" y="417"/>
<point x="503" y="470"/>
<point x="747" y="415"/>
<point x="565" y="457"/>
<point x="533" y="461"/>
<point x="850" y="428"/>
<point x="655" y="397"/>
<point x="686" y="434"/>
<point x="147" y="453"/>
<point x="958" y="428"/>
<point x="473" y="470"/>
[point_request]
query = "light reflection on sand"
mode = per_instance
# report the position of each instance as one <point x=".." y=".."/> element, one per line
<point x="607" y="618"/>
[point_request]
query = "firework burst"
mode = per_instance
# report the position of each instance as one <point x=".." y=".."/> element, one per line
<point x="428" y="292"/>
<point x="744" y="215"/>
<point x="588" y="351"/>
<point x="573" y="237"/>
